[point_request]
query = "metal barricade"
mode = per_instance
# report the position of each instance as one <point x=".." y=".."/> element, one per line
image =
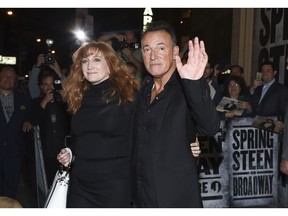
<point x="41" y="181"/>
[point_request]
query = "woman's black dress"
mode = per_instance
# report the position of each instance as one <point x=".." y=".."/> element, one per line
<point x="100" y="173"/>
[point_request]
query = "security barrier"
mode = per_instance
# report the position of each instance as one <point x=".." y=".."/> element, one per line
<point x="239" y="167"/>
<point x="41" y="181"/>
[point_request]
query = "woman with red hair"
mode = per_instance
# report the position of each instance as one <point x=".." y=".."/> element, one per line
<point x="99" y="92"/>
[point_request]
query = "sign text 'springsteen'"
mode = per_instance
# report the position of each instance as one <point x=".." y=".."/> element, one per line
<point x="252" y="163"/>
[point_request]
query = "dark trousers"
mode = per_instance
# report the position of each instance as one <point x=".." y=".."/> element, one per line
<point x="10" y="172"/>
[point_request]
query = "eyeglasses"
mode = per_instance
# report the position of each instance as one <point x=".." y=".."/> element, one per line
<point x="233" y="85"/>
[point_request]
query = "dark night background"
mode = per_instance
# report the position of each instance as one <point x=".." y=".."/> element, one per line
<point x="18" y="33"/>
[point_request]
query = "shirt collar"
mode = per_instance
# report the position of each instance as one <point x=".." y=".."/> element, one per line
<point x="269" y="83"/>
<point x="9" y="94"/>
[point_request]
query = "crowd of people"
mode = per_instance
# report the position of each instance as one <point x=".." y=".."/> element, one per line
<point x="133" y="114"/>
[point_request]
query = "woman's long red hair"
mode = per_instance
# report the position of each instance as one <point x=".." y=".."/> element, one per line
<point x="124" y="84"/>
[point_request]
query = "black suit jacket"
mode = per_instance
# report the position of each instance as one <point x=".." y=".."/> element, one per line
<point x="12" y="138"/>
<point x="175" y="169"/>
<point x="273" y="102"/>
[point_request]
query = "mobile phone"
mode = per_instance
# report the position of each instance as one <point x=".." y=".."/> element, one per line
<point x="258" y="75"/>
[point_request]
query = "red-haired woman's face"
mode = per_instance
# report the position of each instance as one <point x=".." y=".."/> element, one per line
<point x="95" y="68"/>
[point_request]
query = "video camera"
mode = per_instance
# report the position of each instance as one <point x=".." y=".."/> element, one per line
<point x="120" y="45"/>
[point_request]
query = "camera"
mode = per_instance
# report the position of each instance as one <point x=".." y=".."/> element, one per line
<point x="57" y="96"/>
<point x="120" y="45"/>
<point x="49" y="58"/>
<point x="56" y="92"/>
<point x="134" y="46"/>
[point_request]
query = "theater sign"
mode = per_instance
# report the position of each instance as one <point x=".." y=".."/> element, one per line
<point x="239" y="167"/>
<point x="270" y="40"/>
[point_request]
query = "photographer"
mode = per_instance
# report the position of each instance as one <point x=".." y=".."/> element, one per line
<point x="49" y="112"/>
<point x="43" y="61"/>
<point x="128" y="49"/>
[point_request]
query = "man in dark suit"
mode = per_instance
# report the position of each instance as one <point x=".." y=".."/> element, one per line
<point x="270" y="98"/>
<point x="14" y="122"/>
<point x="173" y="104"/>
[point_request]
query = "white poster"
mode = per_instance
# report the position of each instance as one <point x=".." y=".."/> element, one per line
<point x="253" y="164"/>
<point x="213" y="173"/>
<point x="239" y="167"/>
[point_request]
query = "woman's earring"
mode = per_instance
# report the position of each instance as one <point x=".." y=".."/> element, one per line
<point x="82" y="79"/>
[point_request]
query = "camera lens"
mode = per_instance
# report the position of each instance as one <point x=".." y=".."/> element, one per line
<point x="49" y="59"/>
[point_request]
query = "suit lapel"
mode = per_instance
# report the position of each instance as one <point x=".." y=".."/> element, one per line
<point x="16" y="105"/>
<point x="269" y="92"/>
<point x="2" y="115"/>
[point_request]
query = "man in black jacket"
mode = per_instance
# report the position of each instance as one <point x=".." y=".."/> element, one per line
<point x="270" y="98"/>
<point x="15" y="108"/>
<point x="49" y="112"/>
<point x="173" y="104"/>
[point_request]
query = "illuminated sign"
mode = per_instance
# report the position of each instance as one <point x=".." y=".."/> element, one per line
<point x="147" y="17"/>
<point x="7" y="60"/>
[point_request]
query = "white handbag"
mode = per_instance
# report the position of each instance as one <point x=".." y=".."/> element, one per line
<point x="57" y="195"/>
